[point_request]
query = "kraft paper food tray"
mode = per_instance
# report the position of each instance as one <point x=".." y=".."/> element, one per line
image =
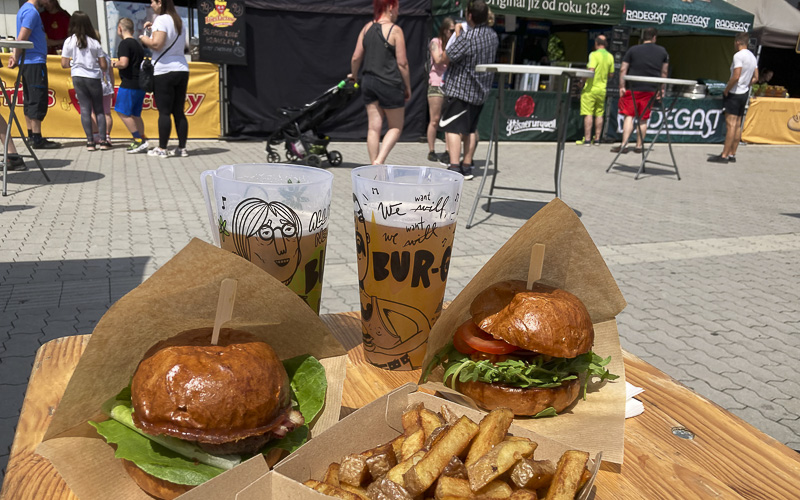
<point x="375" y="424"/>
<point x="571" y="262"/>
<point x="181" y="295"/>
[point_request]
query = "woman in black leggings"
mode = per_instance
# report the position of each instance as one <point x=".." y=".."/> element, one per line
<point x="171" y="76"/>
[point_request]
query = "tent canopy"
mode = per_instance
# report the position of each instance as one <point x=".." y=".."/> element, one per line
<point x="711" y="17"/>
<point x="775" y="21"/>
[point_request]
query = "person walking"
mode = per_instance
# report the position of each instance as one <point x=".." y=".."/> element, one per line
<point x="435" y="94"/>
<point x="385" y="82"/>
<point x="171" y="76"/>
<point x="593" y="95"/>
<point x="130" y="97"/>
<point x="646" y="59"/>
<point x="465" y="89"/>
<point x="83" y="49"/>
<point x="744" y="73"/>
<point x="34" y="72"/>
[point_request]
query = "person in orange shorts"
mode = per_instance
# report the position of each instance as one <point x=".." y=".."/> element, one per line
<point x="646" y="59"/>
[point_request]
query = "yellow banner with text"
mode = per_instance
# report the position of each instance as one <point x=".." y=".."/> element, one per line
<point x="63" y="115"/>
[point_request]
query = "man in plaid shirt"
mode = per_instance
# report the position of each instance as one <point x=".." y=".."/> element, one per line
<point x="466" y="90"/>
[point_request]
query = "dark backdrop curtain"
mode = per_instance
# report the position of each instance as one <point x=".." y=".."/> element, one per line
<point x="293" y="57"/>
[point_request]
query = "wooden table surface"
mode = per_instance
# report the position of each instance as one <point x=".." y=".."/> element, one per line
<point x="727" y="458"/>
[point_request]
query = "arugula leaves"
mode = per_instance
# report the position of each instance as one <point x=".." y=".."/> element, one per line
<point x="308" y="386"/>
<point x="537" y="371"/>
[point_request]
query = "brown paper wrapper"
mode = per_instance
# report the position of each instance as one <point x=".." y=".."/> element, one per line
<point x="181" y="295"/>
<point x="571" y="262"/>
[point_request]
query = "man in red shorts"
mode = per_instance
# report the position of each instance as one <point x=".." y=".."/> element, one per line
<point x="646" y="59"/>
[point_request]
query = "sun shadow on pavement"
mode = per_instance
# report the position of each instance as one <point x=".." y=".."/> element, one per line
<point x="34" y="176"/>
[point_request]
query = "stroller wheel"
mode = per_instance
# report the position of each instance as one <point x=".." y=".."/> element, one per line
<point x="273" y="157"/>
<point x="313" y="161"/>
<point x="290" y="155"/>
<point x="334" y="158"/>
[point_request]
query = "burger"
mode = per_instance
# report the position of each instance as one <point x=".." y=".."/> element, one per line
<point x="524" y="349"/>
<point x="194" y="409"/>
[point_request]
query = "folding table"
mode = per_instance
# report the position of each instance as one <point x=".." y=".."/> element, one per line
<point x="11" y="99"/>
<point x="562" y="115"/>
<point x="637" y="114"/>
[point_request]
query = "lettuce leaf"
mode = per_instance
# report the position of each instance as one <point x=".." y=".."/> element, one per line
<point x="536" y="371"/>
<point x="308" y="387"/>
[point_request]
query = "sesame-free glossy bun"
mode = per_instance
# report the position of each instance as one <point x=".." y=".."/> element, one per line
<point x="529" y="401"/>
<point x="544" y="319"/>
<point x="153" y="486"/>
<point x="235" y="391"/>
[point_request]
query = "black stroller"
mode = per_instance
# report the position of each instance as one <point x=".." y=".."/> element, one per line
<point x="298" y="130"/>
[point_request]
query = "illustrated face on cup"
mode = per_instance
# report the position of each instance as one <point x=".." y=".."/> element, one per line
<point x="268" y="234"/>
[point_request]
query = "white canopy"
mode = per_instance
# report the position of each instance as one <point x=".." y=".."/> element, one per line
<point x="776" y="21"/>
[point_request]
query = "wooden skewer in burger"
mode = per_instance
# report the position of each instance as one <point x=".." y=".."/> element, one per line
<point x="524" y="347"/>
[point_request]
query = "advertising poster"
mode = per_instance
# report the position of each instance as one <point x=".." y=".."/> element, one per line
<point x="222" y="32"/>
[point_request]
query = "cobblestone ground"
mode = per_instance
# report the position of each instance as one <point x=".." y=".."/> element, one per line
<point x="707" y="264"/>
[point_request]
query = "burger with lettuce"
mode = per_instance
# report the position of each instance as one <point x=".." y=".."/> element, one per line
<point x="194" y="410"/>
<point x="524" y="349"/>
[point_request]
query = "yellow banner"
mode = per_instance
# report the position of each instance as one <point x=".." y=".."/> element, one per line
<point x="772" y="120"/>
<point x="63" y="119"/>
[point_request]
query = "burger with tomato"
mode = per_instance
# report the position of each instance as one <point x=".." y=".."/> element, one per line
<point x="524" y="349"/>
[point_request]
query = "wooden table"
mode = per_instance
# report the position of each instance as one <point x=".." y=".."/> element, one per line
<point x="727" y="458"/>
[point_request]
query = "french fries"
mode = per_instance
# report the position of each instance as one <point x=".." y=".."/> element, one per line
<point x="568" y="475"/>
<point x="442" y="456"/>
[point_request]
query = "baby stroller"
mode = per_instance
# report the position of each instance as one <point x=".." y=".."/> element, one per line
<point x="298" y="130"/>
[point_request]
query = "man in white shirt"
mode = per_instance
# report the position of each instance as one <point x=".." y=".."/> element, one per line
<point x="744" y="73"/>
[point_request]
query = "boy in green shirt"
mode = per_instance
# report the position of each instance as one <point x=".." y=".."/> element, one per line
<point x="593" y="96"/>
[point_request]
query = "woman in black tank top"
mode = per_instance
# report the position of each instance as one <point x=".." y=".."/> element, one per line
<point x="385" y="83"/>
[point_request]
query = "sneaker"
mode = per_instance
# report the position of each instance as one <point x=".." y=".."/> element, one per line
<point x="16" y="163"/>
<point x="137" y="147"/>
<point x="717" y="159"/>
<point x="45" y="144"/>
<point x="432" y="156"/>
<point x="444" y="159"/>
<point x="637" y="150"/>
<point x="161" y="153"/>
<point x="181" y="152"/>
<point x="731" y="159"/>
<point x="617" y="149"/>
<point x="104" y="146"/>
<point x="466" y="171"/>
<point x="583" y="142"/>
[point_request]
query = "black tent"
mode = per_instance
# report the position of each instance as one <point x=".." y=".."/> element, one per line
<point x="298" y="50"/>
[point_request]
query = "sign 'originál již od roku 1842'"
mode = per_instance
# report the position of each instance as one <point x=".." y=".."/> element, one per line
<point x="222" y="31"/>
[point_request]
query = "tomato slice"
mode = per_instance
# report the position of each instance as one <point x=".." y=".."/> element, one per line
<point x="459" y="343"/>
<point x="470" y="334"/>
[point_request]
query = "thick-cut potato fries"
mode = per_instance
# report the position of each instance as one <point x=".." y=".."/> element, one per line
<point x="445" y="457"/>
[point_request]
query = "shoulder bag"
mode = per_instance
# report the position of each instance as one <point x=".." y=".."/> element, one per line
<point x="146" y="72"/>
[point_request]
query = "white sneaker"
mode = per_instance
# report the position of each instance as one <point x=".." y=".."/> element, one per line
<point x="138" y="147"/>
<point x="178" y="152"/>
<point x="161" y="153"/>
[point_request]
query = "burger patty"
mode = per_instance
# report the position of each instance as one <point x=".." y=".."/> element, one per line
<point x="253" y="444"/>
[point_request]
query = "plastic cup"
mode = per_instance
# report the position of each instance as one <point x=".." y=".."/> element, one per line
<point x="275" y="216"/>
<point x="405" y="221"/>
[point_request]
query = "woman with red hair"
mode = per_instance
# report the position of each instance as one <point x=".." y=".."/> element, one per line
<point x="385" y="81"/>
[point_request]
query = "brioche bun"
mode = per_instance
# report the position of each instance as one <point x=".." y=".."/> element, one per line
<point x="525" y="402"/>
<point x="544" y="319"/>
<point x="229" y="398"/>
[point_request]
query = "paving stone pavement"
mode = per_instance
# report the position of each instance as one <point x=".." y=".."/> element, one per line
<point x="708" y="264"/>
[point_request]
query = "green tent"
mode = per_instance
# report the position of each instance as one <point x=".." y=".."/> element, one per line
<point x="711" y="17"/>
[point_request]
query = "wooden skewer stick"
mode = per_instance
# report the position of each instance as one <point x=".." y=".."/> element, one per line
<point x="535" y="266"/>
<point x="227" y="296"/>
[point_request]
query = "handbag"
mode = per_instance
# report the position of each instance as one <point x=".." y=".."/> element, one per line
<point x="146" y="72"/>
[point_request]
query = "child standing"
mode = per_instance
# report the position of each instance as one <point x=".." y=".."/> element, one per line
<point x="108" y="97"/>
<point x="88" y="64"/>
<point x="129" y="96"/>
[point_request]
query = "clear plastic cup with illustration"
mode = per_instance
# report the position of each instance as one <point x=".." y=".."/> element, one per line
<point x="405" y="220"/>
<point x="275" y="216"/>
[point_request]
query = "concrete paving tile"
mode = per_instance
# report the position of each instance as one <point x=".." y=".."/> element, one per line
<point x="20" y="344"/>
<point x="12" y="394"/>
<point x="779" y="431"/>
